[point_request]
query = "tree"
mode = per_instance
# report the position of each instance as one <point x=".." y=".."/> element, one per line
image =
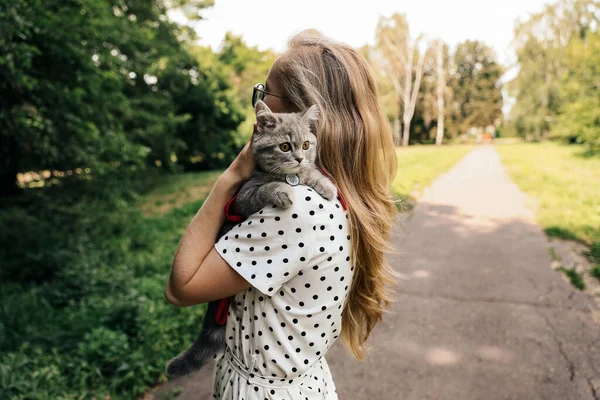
<point x="441" y="90"/>
<point x="97" y="84"/>
<point x="247" y="66"/>
<point x="477" y="95"/>
<point x="578" y="119"/>
<point x="401" y="59"/>
<point x="540" y="43"/>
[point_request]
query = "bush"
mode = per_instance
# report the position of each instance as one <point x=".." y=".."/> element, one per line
<point x="83" y="312"/>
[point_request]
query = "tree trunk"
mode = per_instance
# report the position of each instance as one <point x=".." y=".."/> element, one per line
<point x="440" y="92"/>
<point x="408" y="70"/>
<point x="406" y="134"/>
<point x="396" y="131"/>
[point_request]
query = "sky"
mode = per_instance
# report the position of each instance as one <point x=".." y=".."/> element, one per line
<point x="270" y="23"/>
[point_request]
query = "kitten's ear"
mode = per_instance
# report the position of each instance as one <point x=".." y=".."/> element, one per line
<point x="264" y="116"/>
<point x="311" y="116"/>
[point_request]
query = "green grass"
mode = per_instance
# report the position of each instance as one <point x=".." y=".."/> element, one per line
<point x="565" y="184"/>
<point x="595" y="272"/>
<point x="575" y="277"/>
<point x="418" y="166"/>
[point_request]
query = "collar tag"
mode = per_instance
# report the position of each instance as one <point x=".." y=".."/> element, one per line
<point x="292" y="179"/>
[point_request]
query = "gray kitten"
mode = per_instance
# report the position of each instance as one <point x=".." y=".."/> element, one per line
<point x="284" y="147"/>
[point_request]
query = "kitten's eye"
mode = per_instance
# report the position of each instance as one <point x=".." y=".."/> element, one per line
<point x="305" y="145"/>
<point x="285" y="147"/>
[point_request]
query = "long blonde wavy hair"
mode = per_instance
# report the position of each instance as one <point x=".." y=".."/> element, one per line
<point x="355" y="147"/>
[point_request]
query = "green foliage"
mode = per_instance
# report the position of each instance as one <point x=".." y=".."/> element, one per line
<point x="476" y="89"/>
<point x="579" y="118"/>
<point x="247" y="66"/>
<point x="83" y="312"/>
<point x="555" y="91"/>
<point x="99" y="83"/>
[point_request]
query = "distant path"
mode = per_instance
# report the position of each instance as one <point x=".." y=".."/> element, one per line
<point x="482" y="316"/>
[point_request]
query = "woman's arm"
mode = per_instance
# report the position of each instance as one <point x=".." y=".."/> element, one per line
<point x="198" y="273"/>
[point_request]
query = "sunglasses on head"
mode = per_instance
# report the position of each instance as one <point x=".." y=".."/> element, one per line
<point x="259" y="93"/>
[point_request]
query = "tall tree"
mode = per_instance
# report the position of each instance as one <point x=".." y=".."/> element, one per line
<point x="402" y="60"/>
<point x="477" y="92"/>
<point x="441" y="90"/>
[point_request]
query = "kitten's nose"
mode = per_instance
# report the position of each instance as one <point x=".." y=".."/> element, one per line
<point x="299" y="159"/>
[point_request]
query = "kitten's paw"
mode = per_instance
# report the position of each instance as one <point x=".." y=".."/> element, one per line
<point x="283" y="198"/>
<point x="325" y="188"/>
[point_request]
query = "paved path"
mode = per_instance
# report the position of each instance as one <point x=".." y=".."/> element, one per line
<point x="481" y="315"/>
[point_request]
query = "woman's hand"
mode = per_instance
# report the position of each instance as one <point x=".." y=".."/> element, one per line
<point x="242" y="167"/>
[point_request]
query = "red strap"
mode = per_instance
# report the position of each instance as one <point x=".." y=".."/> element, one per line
<point x="221" y="316"/>
<point x="230" y="215"/>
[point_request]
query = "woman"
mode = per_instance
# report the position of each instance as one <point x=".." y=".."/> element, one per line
<point x="304" y="275"/>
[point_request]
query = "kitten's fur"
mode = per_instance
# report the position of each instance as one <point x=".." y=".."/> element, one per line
<point x="266" y="186"/>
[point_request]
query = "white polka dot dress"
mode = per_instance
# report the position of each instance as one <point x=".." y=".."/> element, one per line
<point x="278" y="332"/>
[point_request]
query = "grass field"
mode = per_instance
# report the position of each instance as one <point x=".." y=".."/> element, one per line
<point x="566" y="187"/>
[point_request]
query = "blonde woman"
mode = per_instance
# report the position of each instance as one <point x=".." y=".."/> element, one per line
<point x="306" y="275"/>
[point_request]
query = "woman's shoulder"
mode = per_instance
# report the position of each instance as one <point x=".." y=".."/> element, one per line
<point x="307" y="199"/>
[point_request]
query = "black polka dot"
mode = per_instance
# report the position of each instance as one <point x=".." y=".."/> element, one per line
<point x="294" y="215"/>
<point x="277" y="218"/>
<point x="307" y="198"/>
<point x="269" y="275"/>
<point x="280" y="232"/>
<point x="298" y="230"/>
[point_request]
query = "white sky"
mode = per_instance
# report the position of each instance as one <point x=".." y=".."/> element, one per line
<point x="270" y="23"/>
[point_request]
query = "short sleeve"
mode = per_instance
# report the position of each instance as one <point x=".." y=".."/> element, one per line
<point x="270" y="247"/>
